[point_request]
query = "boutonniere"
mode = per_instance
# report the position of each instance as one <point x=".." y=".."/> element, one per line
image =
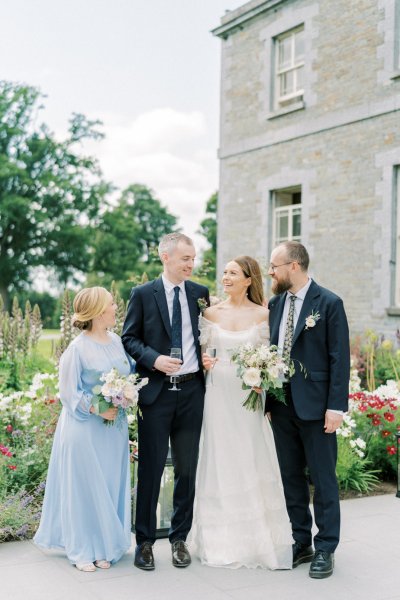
<point x="312" y="320"/>
<point x="202" y="304"/>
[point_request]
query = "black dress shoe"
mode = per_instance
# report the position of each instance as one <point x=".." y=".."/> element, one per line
<point x="322" y="565"/>
<point x="180" y="554"/>
<point x="301" y="554"/>
<point x="144" y="558"/>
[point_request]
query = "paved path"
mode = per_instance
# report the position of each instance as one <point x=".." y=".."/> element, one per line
<point x="367" y="568"/>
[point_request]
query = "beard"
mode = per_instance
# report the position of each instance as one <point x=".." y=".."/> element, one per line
<point x="279" y="287"/>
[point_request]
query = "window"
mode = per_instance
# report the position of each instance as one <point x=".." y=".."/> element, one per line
<point x="289" y="66"/>
<point x="286" y="215"/>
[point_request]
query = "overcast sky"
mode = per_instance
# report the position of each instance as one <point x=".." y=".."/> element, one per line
<point x="148" y="69"/>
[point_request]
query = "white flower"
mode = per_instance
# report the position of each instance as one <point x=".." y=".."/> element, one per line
<point x="360" y="443"/>
<point x="131" y="419"/>
<point x="312" y="319"/>
<point x="107" y="390"/>
<point x="360" y="453"/>
<point x="273" y="371"/>
<point x="252" y="377"/>
<point x="130" y="393"/>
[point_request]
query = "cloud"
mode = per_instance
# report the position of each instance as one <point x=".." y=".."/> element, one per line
<point x="167" y="150"/>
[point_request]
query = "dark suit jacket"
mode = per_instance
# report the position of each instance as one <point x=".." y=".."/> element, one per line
<point x="147" y="330"/>
<point x="323" y="350"/>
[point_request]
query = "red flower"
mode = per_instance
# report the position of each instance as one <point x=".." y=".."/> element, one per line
<point x="388" y="416"/>
<point x="12" y="467"/>
<point x="385" y="433"/>
<point x="5" y="451"/>
<point x="391" y="450"/>
<point x="376" y="420"/>
<point x="9" y="428"/>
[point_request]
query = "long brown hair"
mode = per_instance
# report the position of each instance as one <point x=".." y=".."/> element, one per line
<point x="251" y="268"/>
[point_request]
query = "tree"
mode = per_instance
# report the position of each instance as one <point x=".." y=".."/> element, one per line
<point x="126" y="243"/>
<point x="49" y="194"/>
<point x="208" y="229"/>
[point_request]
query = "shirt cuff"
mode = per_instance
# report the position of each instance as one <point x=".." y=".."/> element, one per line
<point x="338" y="412"/>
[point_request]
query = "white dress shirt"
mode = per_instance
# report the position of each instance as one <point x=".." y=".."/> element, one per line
<point x="189" y="355"/>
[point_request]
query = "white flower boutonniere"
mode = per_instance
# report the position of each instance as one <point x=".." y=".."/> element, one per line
<point x="202" y="304"/>
<point x="312" y="320"/>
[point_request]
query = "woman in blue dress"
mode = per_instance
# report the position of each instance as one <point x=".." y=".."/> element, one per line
<point x="86" y="508"/>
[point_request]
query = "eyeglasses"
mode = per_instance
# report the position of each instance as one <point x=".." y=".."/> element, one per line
<point x="274" y="267"/>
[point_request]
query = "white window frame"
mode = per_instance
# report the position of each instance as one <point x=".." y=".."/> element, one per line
<point x="295" y="65"/>
<point x="290" y="209"/>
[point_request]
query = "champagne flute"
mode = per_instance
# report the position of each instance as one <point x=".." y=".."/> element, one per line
<point x="174" y="353"/>
<point x="212" y="353"/>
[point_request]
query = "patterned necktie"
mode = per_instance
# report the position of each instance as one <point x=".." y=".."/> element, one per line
<point x="287" y="344"/>
<point x="176" y="325"/>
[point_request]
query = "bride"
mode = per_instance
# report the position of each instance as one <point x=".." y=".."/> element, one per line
<point x="240" y="517"/>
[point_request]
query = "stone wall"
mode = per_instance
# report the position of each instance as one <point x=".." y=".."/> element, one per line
<point x="341" y="148"/>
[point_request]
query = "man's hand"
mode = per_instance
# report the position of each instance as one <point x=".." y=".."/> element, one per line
<point x="167" y="365"/>
<point x="333" y="420"/>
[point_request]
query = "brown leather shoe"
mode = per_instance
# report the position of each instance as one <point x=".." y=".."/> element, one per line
<point x="180" y="554"/>
<point x="144" y="558"/>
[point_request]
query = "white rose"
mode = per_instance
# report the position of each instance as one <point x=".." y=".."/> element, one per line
<point x="130" y="393"/>
<point x="106" y="390"/>
<point x="273" y="372"/>
<point x="252" y="377"/>
<point x="310" y="322"/>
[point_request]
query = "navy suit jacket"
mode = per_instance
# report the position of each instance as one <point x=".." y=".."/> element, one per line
<point x="323" y="350"/>
<point x="147" y="330"/>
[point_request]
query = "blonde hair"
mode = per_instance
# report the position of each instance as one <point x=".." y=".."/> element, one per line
<point x="88" y="304"/>
<point x="251" y="268"/>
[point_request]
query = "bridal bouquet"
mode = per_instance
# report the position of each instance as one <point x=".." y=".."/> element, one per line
<point x="261" y="367"/>
<point x="117" y="390"/>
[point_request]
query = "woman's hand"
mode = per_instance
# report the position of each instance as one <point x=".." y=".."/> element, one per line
<point x="208" y="362"/>
<point x="257" y="389"/>
<point x="109" y="414"/>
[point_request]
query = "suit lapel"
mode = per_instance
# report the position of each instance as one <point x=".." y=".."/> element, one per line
<point x="161" y="300"/>
<point x="277" y="316"/>
<point x="306" y="309"/>
<point x="193" y="309"/>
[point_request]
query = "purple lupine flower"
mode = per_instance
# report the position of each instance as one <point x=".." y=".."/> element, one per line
<point x="26" y="500"/>
<point x="22" y="531"/>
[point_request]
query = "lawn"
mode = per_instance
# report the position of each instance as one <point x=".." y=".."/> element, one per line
<point x="47" y="341"/>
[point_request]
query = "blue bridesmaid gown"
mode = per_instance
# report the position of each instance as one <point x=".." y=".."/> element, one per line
<point x="87" y="502"/>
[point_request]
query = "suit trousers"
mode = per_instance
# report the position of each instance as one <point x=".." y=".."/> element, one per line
<point x="174" y="417"/>
<point x="302" y="444"/>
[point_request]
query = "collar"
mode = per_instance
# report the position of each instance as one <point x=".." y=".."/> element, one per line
<point x="169" y="286"/>
<point x="301" y="294"/>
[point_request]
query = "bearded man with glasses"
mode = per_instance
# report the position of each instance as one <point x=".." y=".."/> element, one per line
<point x="309" y="325"/>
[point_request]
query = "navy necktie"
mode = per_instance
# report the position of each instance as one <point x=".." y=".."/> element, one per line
<point x="176" y="325"/>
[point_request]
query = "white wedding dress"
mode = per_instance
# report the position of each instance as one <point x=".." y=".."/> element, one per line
<point x="240" y="517"/>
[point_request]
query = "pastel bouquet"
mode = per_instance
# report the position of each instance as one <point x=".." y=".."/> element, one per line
<point x="121" y="391"/>
<point x="261" y="367"/>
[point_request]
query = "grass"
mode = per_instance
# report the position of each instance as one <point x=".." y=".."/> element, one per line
<point x="46" y="343"/>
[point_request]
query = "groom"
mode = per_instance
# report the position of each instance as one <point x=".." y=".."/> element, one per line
<point x="309" y="325"/>
<point x="163" y="314"/>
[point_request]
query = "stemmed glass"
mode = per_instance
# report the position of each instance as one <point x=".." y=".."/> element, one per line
<point x="212" y="353"/>
<point x="174" y="353"/>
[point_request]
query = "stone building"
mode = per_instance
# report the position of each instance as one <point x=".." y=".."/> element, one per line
<point x="310" y="144"/>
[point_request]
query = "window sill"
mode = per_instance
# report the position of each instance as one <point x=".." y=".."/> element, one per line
<point x="280" y="112"/>
<point x="395" y="74"/>
<point x="393" y="311"/>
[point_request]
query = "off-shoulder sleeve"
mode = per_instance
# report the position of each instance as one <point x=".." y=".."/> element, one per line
<point x="206" y="330"/>
<point x="72" y="395"/>
<point x="263" y="332"/>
